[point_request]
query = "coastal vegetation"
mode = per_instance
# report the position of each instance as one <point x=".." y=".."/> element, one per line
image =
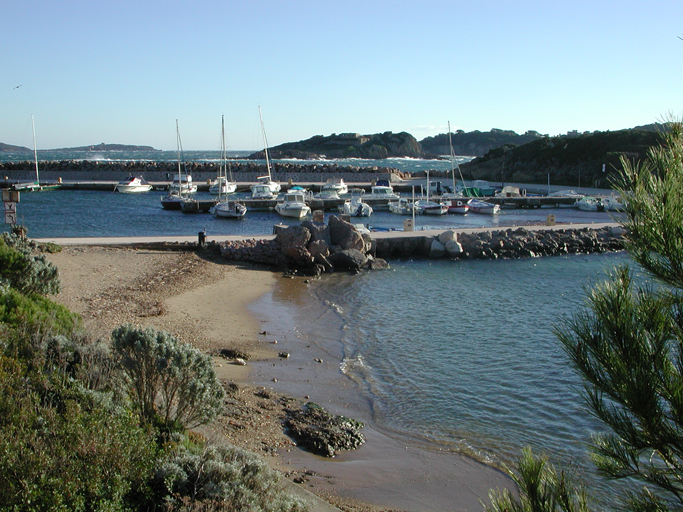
<point x="627" y="345"/>
<point x="87" y="424"/>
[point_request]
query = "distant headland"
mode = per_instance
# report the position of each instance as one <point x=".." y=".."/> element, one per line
<point x="7" y="148"/>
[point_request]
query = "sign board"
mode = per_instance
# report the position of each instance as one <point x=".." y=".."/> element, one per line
<point x="10" y="207"/>
<point x="10" y="196"/>
<point x="10" y="218"/>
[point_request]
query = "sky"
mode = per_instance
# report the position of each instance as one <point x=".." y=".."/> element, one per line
<point x="123" y="72"/>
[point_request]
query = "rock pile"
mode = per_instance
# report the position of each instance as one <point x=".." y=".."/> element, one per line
<point x="310" y="248"/>
<point x="508" y="243"/>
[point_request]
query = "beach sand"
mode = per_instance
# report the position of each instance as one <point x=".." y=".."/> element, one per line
<point x="205" y="301"/>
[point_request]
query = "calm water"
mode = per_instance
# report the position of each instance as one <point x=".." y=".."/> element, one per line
<point x="460" y="354"/>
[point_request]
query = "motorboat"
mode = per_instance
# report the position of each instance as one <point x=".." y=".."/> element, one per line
<point x="460" y="205"/>
<point x="431" y="207"/>
<point x="326" y="194"/>
<point x="403" y="206"/>
<point x="262" y="191"/>
<point x="356" y="207"/>
<point x="273" y="186"/>
<point x="229" y="209"/>
<point x="133" y="185"/>
<point x="337" y="185"/>
<point x="293" y="205"/>
<point x="483" y="207"/>
<point x="382" y="190"/>
<point x="590" y="204"/>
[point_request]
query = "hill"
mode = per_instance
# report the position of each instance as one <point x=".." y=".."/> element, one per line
<point x="108" y="147"/>
<point x="8" y="148"/>
<point x="573" y="160"/>
<point x="348" y="145"/>
<point x="475" y="143"/>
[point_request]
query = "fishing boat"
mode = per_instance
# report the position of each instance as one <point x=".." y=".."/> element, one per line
<point x="225" y="207"/>
<point x="133" y="185"/>
<point x="35" y="186"/>
<point x="483" y="207"/>
<point x="459" y="205"/>
<point x="266" y="180"/>
<point x="456" y="202"/>
<point x="176" y="196"/>
<point x="355" y="206"/>
<point x="293" y="205"/>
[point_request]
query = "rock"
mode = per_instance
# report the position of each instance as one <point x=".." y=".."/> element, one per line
<point x="239" y="361"/>
<point x="344" y="235"/>
<point x="447" y="236"/>
<point x="294" y="236"/>
<point x="318" y="231"/>
<point x="315" y="429"/>
<point x="437" y="249"/>
<point x="350" y="259"/>
<point x="377" y="264"/>
<point x="453" y="248"/>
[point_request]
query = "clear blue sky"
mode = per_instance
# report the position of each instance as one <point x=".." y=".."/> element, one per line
<point x="123" y="71"/>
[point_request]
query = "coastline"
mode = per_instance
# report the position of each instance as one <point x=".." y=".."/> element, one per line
<point x="211" y="304"/>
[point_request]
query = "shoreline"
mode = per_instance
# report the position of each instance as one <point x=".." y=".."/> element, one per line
<point x="183" y="294"/>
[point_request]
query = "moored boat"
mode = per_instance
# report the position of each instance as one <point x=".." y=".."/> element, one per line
<point x="337" y="185"/>
<point x="460" y="205"/>
<point x="229" y="209"/>
<point x="356" y="207"/>
<point x="133" y="185"/>
<point x="483" y="207"/>
<point x="293" y="205"/>
<point x="590" y="204"/>
<point x="382" y="190"/>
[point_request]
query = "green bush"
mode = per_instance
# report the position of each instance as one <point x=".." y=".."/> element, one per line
<point x="25" y="270"/>
<point x="221" y="478"/>
<point x="169" y="380"/>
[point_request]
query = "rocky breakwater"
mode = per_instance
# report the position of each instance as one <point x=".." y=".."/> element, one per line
<point x="310" y="248"/>
<point x="507" y="243"/>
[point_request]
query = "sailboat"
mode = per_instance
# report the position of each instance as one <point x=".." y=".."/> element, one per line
<point x="175" y="198"/>
<point x="35" y="186"/>
<point x="221" y="185"/>
<point x="257" y="190"/>
<point x="431" y="207"/>
<point x="225" y="207"/>
<point x="457" y="203"/>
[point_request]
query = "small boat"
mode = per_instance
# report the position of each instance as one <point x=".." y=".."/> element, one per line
<point x="265" y="180"/>
<point x="293" y="205"/>
<point x="133" y="185"/>
<point x="176" y="195"/>
<point x="356" y="207"/>
<point x="262" y="191"/>
<point x="183" y="184"/>
<point x="483" y="207"/>
<point x="326" y="194"/>
<point x="403" y="206"/>
<point x="229" y="209"/>
<point x="590" y="204"/>
<point x="382" y="190"/>
<point x="222" y="186"/>
<point x="613" y="204"/>
<point x="460" y="205"/>
<point x="35" y="185"/>
<point x="337" y="185"/>
<point x="431" y="207"/>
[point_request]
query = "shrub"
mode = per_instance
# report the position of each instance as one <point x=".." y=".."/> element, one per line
<point x="25" y="270"/>
<point x="168" y="379"/>
<point x="221" y="478"/>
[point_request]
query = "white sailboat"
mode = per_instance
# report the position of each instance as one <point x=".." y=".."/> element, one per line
<point x="225" y="207"/>
<point x="221" y="185"/>
<point x="265" y="180"/>
<point x="35" y="186"/>
<point x="457" y="203"/>
<point x="175" y="198"/>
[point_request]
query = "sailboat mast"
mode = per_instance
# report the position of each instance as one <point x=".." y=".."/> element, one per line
<point x="450" y="144"/>
<point x="35" y="148"/>
<point x="265" y="142"/>
<point x="180" y="177"/>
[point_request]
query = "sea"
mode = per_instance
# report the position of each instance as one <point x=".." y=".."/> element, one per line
<point x="459" y="355"/>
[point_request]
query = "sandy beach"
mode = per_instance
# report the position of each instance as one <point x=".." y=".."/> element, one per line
<point x="205" y="301"/>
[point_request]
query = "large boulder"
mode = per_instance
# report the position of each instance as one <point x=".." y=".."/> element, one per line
<point x="344" y="235"/>
<point x="293" y="236"/>
<point x="349" y="259"/>
<point x="319" y="231"/>
<point x="321" y="252"/>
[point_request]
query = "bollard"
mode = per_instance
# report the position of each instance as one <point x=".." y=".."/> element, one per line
<point x="408" y="225"/>
<point x="202" y="238"/>
<point x="318" y="216"/>
<point x="550" y="220"/>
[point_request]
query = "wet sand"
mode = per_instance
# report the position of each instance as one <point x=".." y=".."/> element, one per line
<point x="207" y="303"/>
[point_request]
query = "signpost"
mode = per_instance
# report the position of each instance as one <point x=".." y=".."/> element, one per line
<point x="10" y="198"/>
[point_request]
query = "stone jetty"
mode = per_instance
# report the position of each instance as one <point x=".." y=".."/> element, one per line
<point x="313" y="248"/>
